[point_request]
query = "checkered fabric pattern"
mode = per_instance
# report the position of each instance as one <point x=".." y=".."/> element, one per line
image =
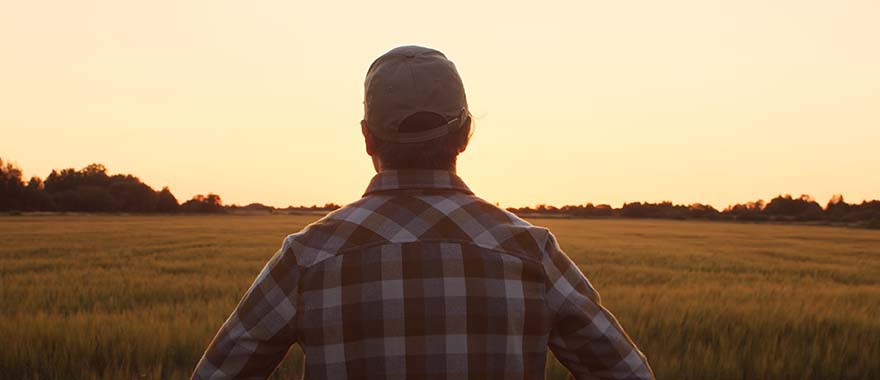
<point x="420" y="279"/>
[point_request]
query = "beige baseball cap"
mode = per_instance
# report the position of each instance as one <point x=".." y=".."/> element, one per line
<point x="411" y="79"/>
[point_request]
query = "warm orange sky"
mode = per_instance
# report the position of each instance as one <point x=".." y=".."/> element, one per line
<point x="608" y="102"/>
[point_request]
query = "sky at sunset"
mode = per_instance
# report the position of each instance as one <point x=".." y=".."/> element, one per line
<point x="606" y="102"/>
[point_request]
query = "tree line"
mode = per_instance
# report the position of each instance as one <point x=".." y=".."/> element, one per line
<point x="92" y="189"/>
<point x="783" y="208"/>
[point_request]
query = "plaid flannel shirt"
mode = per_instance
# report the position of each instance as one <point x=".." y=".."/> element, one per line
<point x="421" y="279"/>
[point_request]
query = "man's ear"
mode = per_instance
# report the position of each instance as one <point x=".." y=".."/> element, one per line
<point x="368" y="138"/>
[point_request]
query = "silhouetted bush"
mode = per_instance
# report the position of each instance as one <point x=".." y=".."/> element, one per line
<point x="203" y="204"/>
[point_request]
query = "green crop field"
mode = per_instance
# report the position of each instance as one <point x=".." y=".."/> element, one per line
<point x="139" y="297"/>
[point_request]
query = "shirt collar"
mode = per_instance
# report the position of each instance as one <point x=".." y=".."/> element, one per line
<point x="416" y="179"/>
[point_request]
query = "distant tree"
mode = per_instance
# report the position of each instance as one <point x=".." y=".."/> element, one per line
<point x="11" y="187"/>
<point x="326" y="207"/>
<point x="67" y="200"/>
<point x="166" y="202"/>
<point x="633" y="210"/>
<point x="131" y="194"/>
<point x="36" y="198"/>
<point x="213" y="199"/>
<point x="662" y="210"/>
<point x="210" y="203"/>
<point x="521" y="210"/>
<point x="788" y="208"/>
<point x="545" y="209"/>
<point x="837" y="208"/>
<point x="96" y="199"/>
<point x="701" y="211"/>
<point x="81" y="190"/>
<point x="588" y="211"/>
<point x="600" y="210"/>
<point x="864" y="212"/>
<point x="35" y="183"/>
<point x="750" y="211"/>
<point x="64" y="180"/>
<point x="836" y="199"/>
<point x="68" y="179"/>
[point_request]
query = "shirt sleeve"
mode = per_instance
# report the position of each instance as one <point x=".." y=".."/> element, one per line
<point x="586" y="338"/>
<point x="261" y="329"/>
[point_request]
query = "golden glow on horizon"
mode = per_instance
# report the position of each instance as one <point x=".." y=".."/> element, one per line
<point x="606" y="102"/>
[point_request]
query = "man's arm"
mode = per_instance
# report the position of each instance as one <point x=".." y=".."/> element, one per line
<point x="586" y="338"/>
<point x="261" y="329"/>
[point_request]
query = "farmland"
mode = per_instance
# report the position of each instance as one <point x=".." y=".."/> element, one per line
<point x="139" y="297"/>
